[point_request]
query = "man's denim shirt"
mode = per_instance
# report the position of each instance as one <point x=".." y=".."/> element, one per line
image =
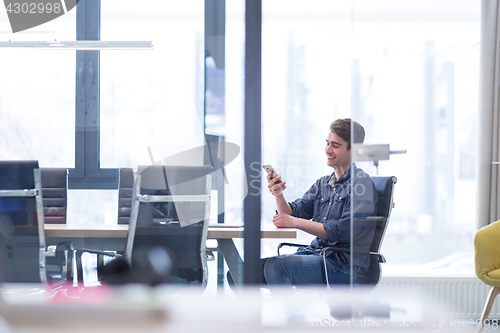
<point x="329" y="201"/>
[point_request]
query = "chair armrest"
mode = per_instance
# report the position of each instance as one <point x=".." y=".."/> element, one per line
<point x="373" y="218"/>
<point x="290" y="244"/>
<point x="79" y="252"/>
<point x="375" y="255"/>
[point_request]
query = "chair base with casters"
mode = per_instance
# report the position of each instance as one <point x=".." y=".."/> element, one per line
<point x="487" y="264"/>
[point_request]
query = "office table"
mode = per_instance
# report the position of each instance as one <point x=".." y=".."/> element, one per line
<point x="113" y="237"/>
<point x="120" y="231"/>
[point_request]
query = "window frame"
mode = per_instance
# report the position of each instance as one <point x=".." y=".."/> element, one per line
<point x="87" y="173"/>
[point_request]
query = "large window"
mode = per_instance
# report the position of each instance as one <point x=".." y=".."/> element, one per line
<point x="38" y="88"/>
<point x="415" y="70"/>
<point x="151" y="98"/>
<point x="408" y="72"/>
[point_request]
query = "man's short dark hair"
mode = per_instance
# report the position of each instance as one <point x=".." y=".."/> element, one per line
<point x="342" y="127"/>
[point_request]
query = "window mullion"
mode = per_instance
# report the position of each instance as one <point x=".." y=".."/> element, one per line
<point x="87" y="173"/>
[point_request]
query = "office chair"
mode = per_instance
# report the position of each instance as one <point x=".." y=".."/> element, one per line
<point x="487" y="263"/>
<point x="168" y="220"/>
<point x="385" y="190"/>
<point x="54" y="182"/>
<point x="23" y="253"/>
<point x="125" y="189"/>
<point x="55" y="194"/>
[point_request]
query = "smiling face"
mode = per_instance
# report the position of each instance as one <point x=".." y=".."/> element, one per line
<point x="338" y="157"/>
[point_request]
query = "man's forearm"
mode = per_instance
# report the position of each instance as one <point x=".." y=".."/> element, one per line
<point x="283" y="206"/>
<point x="285" y="220"/>
<point x="312" y="227"/>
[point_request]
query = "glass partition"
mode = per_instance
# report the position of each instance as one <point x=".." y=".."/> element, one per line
<point x="306" y="84"/>
<point x="406" y="71"/>
<point x="415" y="74"/>
<point x="158" y="105"/>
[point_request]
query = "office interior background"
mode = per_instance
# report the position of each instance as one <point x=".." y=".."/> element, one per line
<point x="408" y="71"/>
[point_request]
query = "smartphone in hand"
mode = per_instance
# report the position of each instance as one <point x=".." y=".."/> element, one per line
<point x="269" y="168"/>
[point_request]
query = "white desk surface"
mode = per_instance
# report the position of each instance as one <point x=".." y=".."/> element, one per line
<point x="120" y="231"/>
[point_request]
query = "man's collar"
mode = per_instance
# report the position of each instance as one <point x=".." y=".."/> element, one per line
<point x="346" y="175"/>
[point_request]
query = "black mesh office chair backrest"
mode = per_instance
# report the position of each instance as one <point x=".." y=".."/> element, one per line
<point x="55" y="194"/>
<point x="178" y="225"/>
<point x="15" y="175"/>
<point x="125" y="189"/>
<point x="385" y="190"/>
<point x="21" y="232"/>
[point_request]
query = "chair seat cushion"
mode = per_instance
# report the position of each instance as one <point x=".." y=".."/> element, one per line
<point x="495" y="275"/>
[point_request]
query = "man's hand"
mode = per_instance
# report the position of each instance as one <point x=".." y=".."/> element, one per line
<point x="287" y="221"/>
<point x="284" y="221"/>
<point x="275" y="189"/>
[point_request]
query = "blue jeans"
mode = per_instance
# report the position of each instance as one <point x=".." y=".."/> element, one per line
<point x="306" y="267"/>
